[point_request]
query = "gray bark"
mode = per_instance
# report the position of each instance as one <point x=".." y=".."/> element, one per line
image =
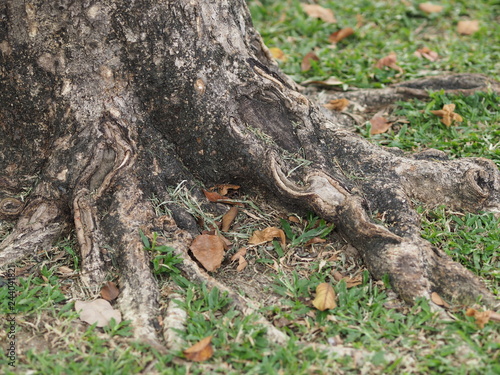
<point x="104" y="104"/>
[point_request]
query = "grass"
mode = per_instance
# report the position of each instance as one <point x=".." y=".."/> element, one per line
<point x="402" y="339"/>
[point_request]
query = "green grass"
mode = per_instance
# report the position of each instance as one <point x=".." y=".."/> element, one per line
<point x="386" y="26"/>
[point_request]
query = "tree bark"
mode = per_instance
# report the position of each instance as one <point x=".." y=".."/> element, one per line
<point x="103" y="105"/>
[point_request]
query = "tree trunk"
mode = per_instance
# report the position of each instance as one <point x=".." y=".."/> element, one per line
<point x="103" y="105"/>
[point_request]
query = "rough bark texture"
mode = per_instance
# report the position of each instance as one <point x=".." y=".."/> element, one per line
<point x="108" y="103"/>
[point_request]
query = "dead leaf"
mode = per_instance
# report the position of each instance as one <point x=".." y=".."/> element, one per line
<point x="337" y="104"/>
<point x="98" y="311"/>
<point x="314" y="240"/>
<point x="242" y="263"/>
<point x="430" y="8"/>
<point x="337" y="36"/>
<point x="294" y="219"/>
<point x="266" y="235"/>
<point x="352" y="281"/>
<point x="213" y="196"/>
<point x="278" y="54"/>
<point x="201" y="351"/>
<point x="325" y="297"/>
<point x="379" y="125"/>
<point x="389" y="61"/>
<point x="240" y="253"/>
<point x="427" y="53"/>
<point x="109" y="291"/>
<point x="468" y="27"/>
<point x="306" y="61"/>
<point x="481" y="317"/>
<point x="447" y="115"/>
<point x="316" y="11"/>
<point x="64" y="270"/>
<point x="208" y="249"/>
<point x="331" y="81"/>
<point x="337" y="275"/>
<point x="224" y="188"/>
<point x="436" y="298"/>
<point x="228" y="218"/>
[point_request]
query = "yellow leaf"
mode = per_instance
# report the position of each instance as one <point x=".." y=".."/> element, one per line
<point x="266" y="235"/>
<point x="317" y="11"/>
<point x="325" y="297"/>
<point x="201" y="351"/>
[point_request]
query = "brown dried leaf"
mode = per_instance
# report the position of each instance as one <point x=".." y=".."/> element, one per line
<point x="337" y="36"/>
<point x="242" y="263"/>
<point x="228" y="218"/>
<point x="306" y="61"/>
<point x="389" y="61"/>
<point x="109" y="291"/>
<point x="316" y="11"/>
<point x="278" y="54"/>
<point x="379" y="125"/>
<point x="427" y="53"/>
<point x="224" y="188"/>
<point x="314" y="240"/>
<point x="325" y="297"/>
<point x="266" y="235"/>
<point x="201" y="351"/>
<point x="352" y="281"/>
<point x="98" y="311"/>
<point x="337" y="104"/>
<point x="447" y="115"/>
<point x="467" y="27"/>
<point x="64" y="270"/>
<point x="208" y="250"/>
<point x="240" y="253"/>
<point x="430" y="8"/>
<point x="337" y="275"/>
<point x="213" y="196"/>
<point x="436" y="298"/>
<point x="294" y="219"/>
<point x="481" y="317"/>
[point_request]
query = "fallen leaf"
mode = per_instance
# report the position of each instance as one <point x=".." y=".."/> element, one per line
<point x="278" y="54"/>
<point x="306" y="61"/>
<point x="447" y="115"/>
<point x="430" y="8"/>
<point x="467" y="27"/>
<point x="337" y="36"/>
<point x="337" y="275"/>
<point x="389" y="61"/>
<point x="266" y="235"/>
<point x="325" y="297"/>
<point x="352" y="281"/>
<point x="208" y="249"/>
<point x="213" y="196"/>
<point x="331" y="81"/>
<point x="98" y="311"/>
<point x="317" y="11"/>
<point x="240" y="253"/>
<point x="228" y="218"/>
<point x="65" y="270"/>
<point x="294" y="219"/>
<point x="481" y="317"/>
<point x="427" y="53"/>
<point x="201" y="351"/>
<point x="224" y="188"/>
<point x="436" y="298"/>
<point x="337" y="104"/>
<point x="379" y="125"/>
<point x="314" y="240"/>
<point x="242" y="263"/>
<point x="109" y="291"/>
